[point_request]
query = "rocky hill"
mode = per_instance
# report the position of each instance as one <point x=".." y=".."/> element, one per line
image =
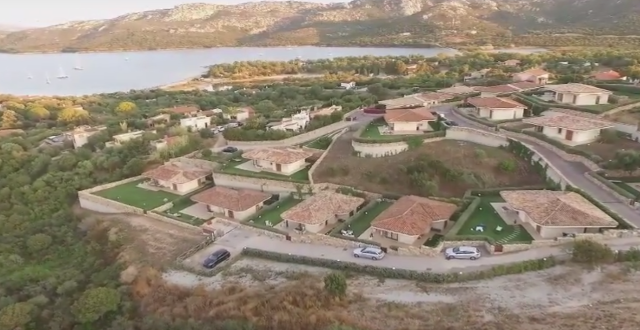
<point x="359" y="22"/>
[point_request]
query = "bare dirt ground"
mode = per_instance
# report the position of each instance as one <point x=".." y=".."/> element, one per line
<point x="560" y="298"/>
<point x="608" y="150"/>
<point x="386" y="174"/>
<point x="148" y="241"/>
<point x="631" y="116"/>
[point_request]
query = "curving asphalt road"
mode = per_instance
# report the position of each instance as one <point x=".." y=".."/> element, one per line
<point x="573" y="171"/>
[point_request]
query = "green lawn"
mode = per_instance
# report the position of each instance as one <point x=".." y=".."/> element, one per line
<point x="372" y="131"/>
<point x="130" y="194"/>
<point x="273" y="214"/>
<point x="180" y="205"/>
<point x="486" y="215"/>
<point x="631" y="96"/>
<point x="317" y="144"/>
<point x="230" y="168"/>
<point x="360" y="224"/>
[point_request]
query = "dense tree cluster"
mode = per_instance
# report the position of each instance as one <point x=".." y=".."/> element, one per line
<point x="579" y="63"/>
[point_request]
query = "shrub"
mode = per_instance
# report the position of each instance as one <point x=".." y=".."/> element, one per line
<point x="591" y="253"/>
<point x="480" y="154"/>
<point x="336" y="284"/>
<point x="323" y="142"/>
<point x="206" y="153"/>
<point x="414" y="143"/>
<point x="507" y="165"/>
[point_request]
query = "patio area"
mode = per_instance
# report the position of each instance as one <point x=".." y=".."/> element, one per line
<point x="199" y="211"/>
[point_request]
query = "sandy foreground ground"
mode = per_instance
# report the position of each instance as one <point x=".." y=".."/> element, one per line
<point x="556" y="289"/>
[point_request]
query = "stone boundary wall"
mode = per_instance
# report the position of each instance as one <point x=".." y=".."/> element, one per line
<point x="199" y="163"/>
<point x="324" y="154"/>
<point x="96" y="203"/>
<point x="477" y="136"/>
<point x="168" y="220"/>
<point x="298" y="139"/>
<point x="376" y="150"/>
<point x="235" y="181"/>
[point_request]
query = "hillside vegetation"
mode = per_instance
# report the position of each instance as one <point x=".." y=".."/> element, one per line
<point x="359" y="22"/>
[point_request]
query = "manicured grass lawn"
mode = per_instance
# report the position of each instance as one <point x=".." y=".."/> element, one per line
<point x="487" y="216"/>
<point x="372" y="131"/>
<point x="273" y="214"/>
<point x="631" y="96"/>
<point x="230" y="168"/>
<point x="132" y="195"/>
<point x="360" y="224"/>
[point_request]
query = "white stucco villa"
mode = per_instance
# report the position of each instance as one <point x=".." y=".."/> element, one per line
<point x="321" y="210"/>
<point x="412" y="217"/>
<point x="417" y="100"/>
<point x="195" y="123"/>
<point x="285" y="161"/>
<point x="177" y="177"/>
<point x="232" y="203"/>
<point x="569" y="129"/>
<point x="535" y="75"/>
<point x="554" y="213"/>
<point x="496" y="108"/>
<point x="120" y="139"/>
<point x="579" y="94"/>
<point x="403" y="121"/>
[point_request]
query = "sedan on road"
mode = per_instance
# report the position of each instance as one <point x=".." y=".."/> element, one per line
<point x="230" y="150"/>
<point x="216" y="258"/>
<point x="462" y="252"/>
<point x="373" y="253"/>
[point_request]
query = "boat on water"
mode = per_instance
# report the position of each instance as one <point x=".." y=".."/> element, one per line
<point x="126" y="58"/>
<point x="29" y="76"/>
<point x="78" y="66"/>
<point x="62" y="75"/>
<point x="47" y="79"/>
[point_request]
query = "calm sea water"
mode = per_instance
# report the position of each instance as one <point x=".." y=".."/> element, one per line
<point x="27" y="74"/>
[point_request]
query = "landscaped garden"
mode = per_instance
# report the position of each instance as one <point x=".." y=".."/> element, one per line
<point x="130" y="194"/>
<point x="179" y="205"/>
<point x="273" y="215"/>
<point x="363" y="221"/>
<point x="231" y="167"/>
<point x="494" y="227"/>
<point x="321" y="143"/>
<point x="372" y="131"/>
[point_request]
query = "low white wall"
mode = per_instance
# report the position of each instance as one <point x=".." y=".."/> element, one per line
<point x="476" y="136"/>
<point x="100" y="204"/>
<point x="376" y="150"/>
<point x="235" y="181"/>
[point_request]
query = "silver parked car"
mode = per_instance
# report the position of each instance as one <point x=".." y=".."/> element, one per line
<point x="462" y="252"/>
<point x="370" y="252"/>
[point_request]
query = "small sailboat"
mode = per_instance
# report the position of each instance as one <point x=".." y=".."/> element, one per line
<point x="61" y="74"/>
<point x="29" y="76"/>
<point x="78" y="66"/>
<point x="47" y="79"/>
<point x="126" y="58"/>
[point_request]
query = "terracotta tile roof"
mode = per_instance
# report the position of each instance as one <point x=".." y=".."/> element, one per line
<point x="182" y="109"/>
<point x="408" y="115"/>
<point x="175" y="174"/>
<point x="434" y="96"/>
<point x="525" y="85"/>
<point x="573" y="113"/>
<point x="402" y="102"/>
<point x="557" y="208"/>
<point x="534" y="72"/>
<point x="494" y="103"/>
<point x="321" y="207"/>
<point x="231" y="199"/>
<point x="569" y="122"/>
<point x="496" y="89"/>
<point x="413" y="215"/>
<point x="278" y="155"/>
<point x="607" y="75"/>
<point x="457" y="90"/>
<point x="511" y="62"/>
<point x="576" y="88"/>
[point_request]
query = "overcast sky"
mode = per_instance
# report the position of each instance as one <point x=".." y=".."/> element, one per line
<point x="32" y="13"/>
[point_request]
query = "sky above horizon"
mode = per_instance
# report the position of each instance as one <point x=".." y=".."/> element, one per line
<point x="38" y="13"/>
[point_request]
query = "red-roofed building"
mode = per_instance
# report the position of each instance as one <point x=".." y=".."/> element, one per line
<point x="608" y="75"/>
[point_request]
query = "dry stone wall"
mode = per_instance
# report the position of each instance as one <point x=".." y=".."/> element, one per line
<point x="476" y="136"/>
<point x="298" y="139"/>
<point x="376" y="150"/>
<point x="234" y="181"/>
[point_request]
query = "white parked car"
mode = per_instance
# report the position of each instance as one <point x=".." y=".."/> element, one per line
<point x="369" y="252"/>
<point x="462" y="252"/>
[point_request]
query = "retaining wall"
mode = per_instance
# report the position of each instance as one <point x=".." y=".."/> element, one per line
<point x="233" y="181"/>
<point x="377" y="150"/>
<point x="298" y="139"/>
<point x="477" y="136"/>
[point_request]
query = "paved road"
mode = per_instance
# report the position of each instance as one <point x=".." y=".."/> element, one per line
<point x="239" y="238"/>
<point x="573" y="171"/>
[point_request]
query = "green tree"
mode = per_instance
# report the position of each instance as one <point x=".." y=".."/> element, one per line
<point x="73" y="115"/>
<point x="38" y="242"/>
<point x="335" y="284"/>
<point x="16" y="315"/>
<point x="9" y="119"/>
<point x="94" y="303"/>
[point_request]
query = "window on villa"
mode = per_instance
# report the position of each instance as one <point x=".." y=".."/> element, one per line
<point x="391" y="235"/>
<point x="559" y="130"/>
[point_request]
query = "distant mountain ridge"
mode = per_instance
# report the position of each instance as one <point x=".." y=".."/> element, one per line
<point x="359" y="22"/>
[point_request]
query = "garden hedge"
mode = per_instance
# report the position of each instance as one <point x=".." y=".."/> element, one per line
<point x="621" y="222"/>
<point x="404" y="274"/>
<point x="611" y="185"/>
<point x="620" y="88"/>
